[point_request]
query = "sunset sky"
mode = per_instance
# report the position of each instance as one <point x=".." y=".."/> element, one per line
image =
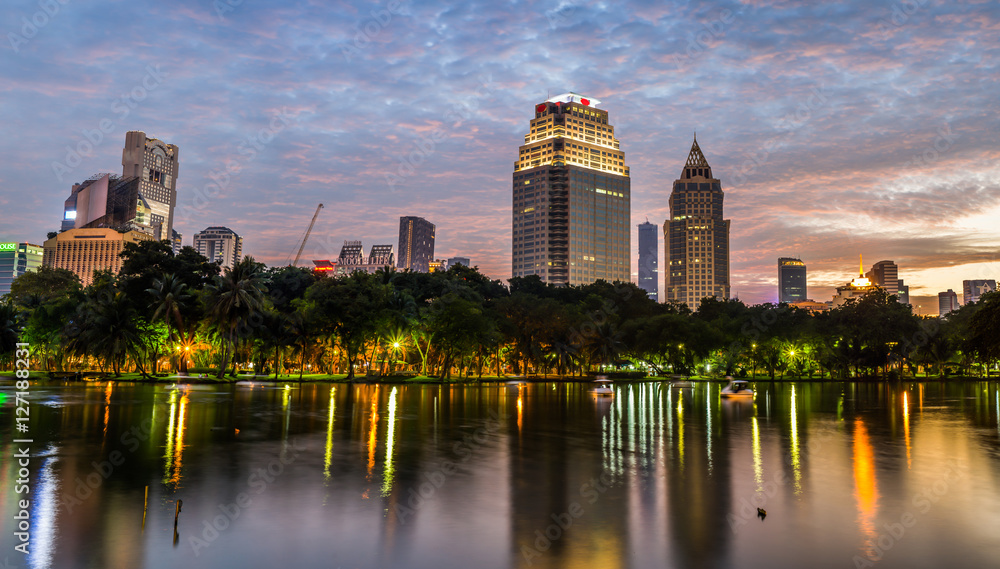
<point x="837" y="128"/>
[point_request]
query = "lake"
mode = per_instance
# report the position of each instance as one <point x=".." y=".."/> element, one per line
<point x="506" y="475"/>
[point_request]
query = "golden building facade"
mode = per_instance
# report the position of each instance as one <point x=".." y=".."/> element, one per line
<point x="85" y="251"/>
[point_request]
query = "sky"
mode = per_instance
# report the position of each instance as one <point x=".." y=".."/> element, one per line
<point x="838" y="129"/>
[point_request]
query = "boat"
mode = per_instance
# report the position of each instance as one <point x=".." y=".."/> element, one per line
<point x="603" y="388"/>
<point x="737" y="388"/>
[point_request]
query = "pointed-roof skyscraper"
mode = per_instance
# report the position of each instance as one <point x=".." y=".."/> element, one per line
<point x="696" y="237"/>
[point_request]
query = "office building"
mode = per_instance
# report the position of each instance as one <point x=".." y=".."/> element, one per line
<point x="352" y="258"/>
<point x="947" y="302"/>
<point x="87" y="250"/>
<point x="571" y="196"/>
<point x="15" y="260"/>
<point x="452" y="261"/>
<point x="219" y="245"/>
<point x="886" y="275"/>
<point x="696" y="237"/>
<point x="175" y="241"/>
<point x="110" y="202"/>
<point x="438" y="265"/>
<point x="416" y="244"/>
<point x="155" y="164"/>
<point x="974" y="289"/>
<point x="649" y="278"/>
<point x="904" y="293"/>
<point x="791" y="280"/>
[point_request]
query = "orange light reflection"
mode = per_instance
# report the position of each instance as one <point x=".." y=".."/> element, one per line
<point x="866" y="486"/>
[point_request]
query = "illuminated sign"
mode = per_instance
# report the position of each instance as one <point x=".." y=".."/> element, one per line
<point x="71" y="214"/>
<point x="574" y="98"/>
<point x="8" y="246"/>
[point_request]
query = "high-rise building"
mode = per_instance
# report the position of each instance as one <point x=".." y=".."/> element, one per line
<point x="571" y="196"/>
<point x="696" y="237"/>
<point x="649" y="278"/>
<point x="155" y="164"/>
<point x="452" y="261"/>
<point x="904" y="293"/>
<point x="15" y="260"/>
<point x="886" y="275"/>
<point x="175" y="241"/>
<point x="219" y="245"/>
<point x="352" y="258"/>
<point x="857" y="288"/>
<point x="416" y="244"/>
<point x="438" y="265"/>
<point x="791" y="280"/>
<point x="107" y="201"/>
<point x="974" y="289"/>
<point x="87" y="250"/>
<point x="947" y="302"/>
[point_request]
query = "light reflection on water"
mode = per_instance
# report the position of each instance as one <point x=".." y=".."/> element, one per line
<point x="439" y="476"/>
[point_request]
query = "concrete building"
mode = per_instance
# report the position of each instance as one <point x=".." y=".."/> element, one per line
<point x="812" y="306"/>
<point x="108" y="201"/>
<point x="87" y="250"/>
<point x="696" y="236"/>
<point x="438" y="265"/>
<point x="155" y="164"/>
<point x="857" y="288"/>
<point x="219" y="245"/>
<point x="886" y="275"/>
<point x="947" y="302"/>
<point x="416" y="244"/>
<point x="175" y="241"/>
<point x="571" y="196"/>
<point x="452" y="261"/>
<point x="792" y="285"/>
<point x="974" y="289"/>
<point x="352" y="258"/>
<point x="649" y="254"/>
<point x="15" y="260"/>
<point x="904" y="293"/>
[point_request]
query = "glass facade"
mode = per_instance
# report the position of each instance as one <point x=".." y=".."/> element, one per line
<point x="791" y="280"/>
<point x="648" y="259"/>
<point x="571" y="197"/>
<point x="15" y="260"/>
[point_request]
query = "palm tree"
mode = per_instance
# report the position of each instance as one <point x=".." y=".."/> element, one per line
<point x="170" y="302"/>
<point x="108" y="327"/>
<point x="10" y="329"/>
<point x="234" y="301"/>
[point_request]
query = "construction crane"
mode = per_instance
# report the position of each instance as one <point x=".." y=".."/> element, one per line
<point x="306" y="238"/>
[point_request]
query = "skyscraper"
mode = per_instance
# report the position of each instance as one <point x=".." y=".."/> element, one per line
<point x="974" y="289"/>
<point x="886" y="275"/>
<point x="452" y="261"/>
<point x="108" y="201"/>
<point x="696" y="237"/>
<point x="649" y="254"/>
<point x="155" y="164"/>
<point x="15" y="260"/>
<point x="791" y="280"/>
<point x="947" y="302"/>
<point x="219" y="245"/>
<point x="571" y="196"/>
<point x="416" y="244"/>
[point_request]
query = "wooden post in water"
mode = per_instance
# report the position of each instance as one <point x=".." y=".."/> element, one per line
<point x="177" y="513"/>
<point x="145" y="506"/>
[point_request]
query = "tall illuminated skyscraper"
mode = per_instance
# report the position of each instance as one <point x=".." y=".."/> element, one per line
<point x="696" y="237"/>
<point x="416" y="244"/>
<point x="571" y="196"/>
<point x="154" y="162"/>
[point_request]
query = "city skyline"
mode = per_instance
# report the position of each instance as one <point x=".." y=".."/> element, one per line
<point x="897" y="162"/>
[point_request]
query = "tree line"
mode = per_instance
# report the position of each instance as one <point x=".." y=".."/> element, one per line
<point x="164" y="313"/>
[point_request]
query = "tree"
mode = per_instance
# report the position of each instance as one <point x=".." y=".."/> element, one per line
<point x="10" y="330"/>
<point x="234" y="301"/>
<point x="172" y="304"/>
<point x="37" y="287"/>
<point x="108" y="327"/>
<point x="984" y="330"/>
